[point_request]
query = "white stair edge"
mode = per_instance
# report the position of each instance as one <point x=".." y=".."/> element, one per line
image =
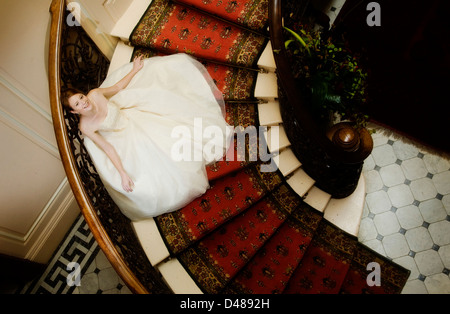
<point x="177" y="278"/>
<point x="266" y="86"/>
<point x="122" y="55"/>
<point x="267" y="60"/>
<point x="276" y="138"/>
<point x="286" y="162"/>
<point x="346" y="213"/>
<point x="128" y="21"/>
<point x="269" y="113"/>
<point x="317" y="199"/>
<point x="300" y="182"/>
<point x="151" y="241"/>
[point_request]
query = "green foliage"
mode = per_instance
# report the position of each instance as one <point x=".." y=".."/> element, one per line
<point x="330" y="73"/>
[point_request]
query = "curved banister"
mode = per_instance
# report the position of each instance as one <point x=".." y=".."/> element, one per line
<point x="57" y="10"/>
<point x="296" y="99"/>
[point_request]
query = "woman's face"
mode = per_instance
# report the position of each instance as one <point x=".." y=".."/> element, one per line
<point x="80" y="104"/>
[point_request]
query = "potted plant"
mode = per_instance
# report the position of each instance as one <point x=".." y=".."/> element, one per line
<point x="329" y="75"/>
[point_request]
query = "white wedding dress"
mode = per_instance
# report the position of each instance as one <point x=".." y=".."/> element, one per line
<point x="166" y="126"/>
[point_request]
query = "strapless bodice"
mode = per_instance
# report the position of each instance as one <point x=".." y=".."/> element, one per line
<point x="115" y="119"/>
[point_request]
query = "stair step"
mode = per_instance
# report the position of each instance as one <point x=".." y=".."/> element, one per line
<point x="266" y="86"/>
<point x="122" y="55"/>
<point x="232" y="162"/>
<point x="300" y="182"/>
<point x="249" y="13"/>
<point x="151" y="241"/>
<point x="227" y="198"/>
<point x="287" y="162"/>
<point x="190" y="31"/>
<point x="129" y="19"/>
<point x="317" y="198"/>
<point x="267" y="61"/>
<point x="276" y="138"/>
<point x="325" y="263"/>
<point x="286" y="248"/>
<point x="346" y="213"/>
<point x="269" y="113"/>
<point x="177" y="278"/>
<point x="223" y="253"/>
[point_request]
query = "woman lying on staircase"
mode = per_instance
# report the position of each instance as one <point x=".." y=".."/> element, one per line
<point x="136" y="123"/>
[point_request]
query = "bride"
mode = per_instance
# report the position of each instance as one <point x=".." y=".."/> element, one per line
<point x="128" y="125"/>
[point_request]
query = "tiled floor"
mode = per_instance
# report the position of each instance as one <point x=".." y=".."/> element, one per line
<point x="96" y="273"/>
<point x="406" y="218"/>
<point x="407" y="212"/>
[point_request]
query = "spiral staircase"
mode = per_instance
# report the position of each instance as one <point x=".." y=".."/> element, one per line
<point x="141" y="251"/>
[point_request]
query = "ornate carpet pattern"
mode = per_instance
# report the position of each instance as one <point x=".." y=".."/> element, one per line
<point x="225" y="199"/>
<point x="250" y="13"/>
<point x="174" y="28"/>
<point x="235" y="83"/>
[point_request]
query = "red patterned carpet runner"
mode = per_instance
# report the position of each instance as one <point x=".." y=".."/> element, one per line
<point x="272" y="267"/>
<point x="326" y="262"/>
<point x="221" y="255"/>
<point x="235" y="83"/>
<point x="392" y="278"/>
<point x="173" y="28"/>
<point x="251" y="13"/>
<point x="249" y="233"/>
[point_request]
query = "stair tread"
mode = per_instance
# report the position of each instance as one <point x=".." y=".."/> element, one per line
<point x="151" y="240"/>
<point x="269" y="113"/>
<point x="209" y="38"/>
<point x="122" y="55"/>
<point x="225" y="199"/>
<point x="325" y="263"/>
<point x="266" y="86"/>
<point x="245" y="12"/>
<point x="300" y="182"/>
<point x="287" y="162"/>
<point x="286" y="247"/>
<point x="231" y="162"/>
<point x="346" y="213"/>
<point x="179" y="281"/>
<point x="267" y="61"/>
<point x="317" y="198"/>
<point x="129" y="19"/>
<point x="221" y="255"/>
<point x="276" y="138"/>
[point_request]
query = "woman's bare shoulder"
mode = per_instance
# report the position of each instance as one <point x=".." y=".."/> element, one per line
<point x="87" y="127"/>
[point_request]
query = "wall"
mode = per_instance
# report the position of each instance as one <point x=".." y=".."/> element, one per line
<point x="37" y="206"/>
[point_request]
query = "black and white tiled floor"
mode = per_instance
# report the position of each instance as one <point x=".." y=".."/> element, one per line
<point x="96" y="274"/>
<point x="406" y="218"/>
<point x="407" y="211"/>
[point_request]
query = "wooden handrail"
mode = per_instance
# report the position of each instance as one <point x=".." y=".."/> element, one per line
<point x="57" y="12"/>
<point x="295" y="97"/>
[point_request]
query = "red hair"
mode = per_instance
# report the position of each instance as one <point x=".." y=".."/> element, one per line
<point x="66" y="94"/>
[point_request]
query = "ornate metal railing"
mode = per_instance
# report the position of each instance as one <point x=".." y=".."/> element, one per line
<point x="335" y="169"/>
<point x="75" y="61"/>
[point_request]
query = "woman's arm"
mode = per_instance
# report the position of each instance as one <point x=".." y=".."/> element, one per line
<point x="127" y="182"/>
<point x="108" y="92"/>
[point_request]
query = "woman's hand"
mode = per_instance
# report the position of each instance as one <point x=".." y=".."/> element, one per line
<point x="138" y="63"/>
<point x="127" y="183"/>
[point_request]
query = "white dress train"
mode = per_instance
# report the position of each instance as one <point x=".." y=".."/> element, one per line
<point x="166" y="126"/>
